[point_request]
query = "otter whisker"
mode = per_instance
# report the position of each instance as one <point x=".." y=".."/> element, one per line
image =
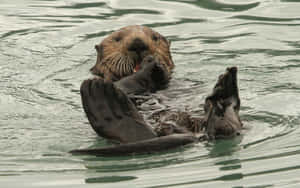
<point x="131" y="67"/>
<point x="111" y="60"/>
<point x="128" y="65"/>
<point x="116" y="61"/>
<point x="128" y="70"/>
<point x="121" y="68"/>
<point x="123" y="64"/>
<point x="120" y="65"/>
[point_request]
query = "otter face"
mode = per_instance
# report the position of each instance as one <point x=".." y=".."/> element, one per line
<point x="222" y="107"/>
<point x="121" y="53"/>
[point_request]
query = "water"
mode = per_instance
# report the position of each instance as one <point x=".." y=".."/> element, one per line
<point x="46" y="50"/>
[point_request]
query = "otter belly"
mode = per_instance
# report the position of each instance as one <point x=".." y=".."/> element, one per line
<point x="113" y="115"/>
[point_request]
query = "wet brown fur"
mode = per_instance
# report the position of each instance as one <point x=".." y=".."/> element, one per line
<point x="115" y="61"/>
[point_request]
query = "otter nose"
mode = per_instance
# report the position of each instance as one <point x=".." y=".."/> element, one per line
<point x="138" y="45"/>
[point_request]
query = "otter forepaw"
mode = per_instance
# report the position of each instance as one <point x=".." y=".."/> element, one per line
<point x="157" y="73"/>
<point x="148" y="64"/>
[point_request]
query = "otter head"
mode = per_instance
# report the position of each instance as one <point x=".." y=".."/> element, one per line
<point x="121" y="53"/>
<point x="222" y="107"/>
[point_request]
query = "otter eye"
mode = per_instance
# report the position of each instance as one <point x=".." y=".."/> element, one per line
<point x="117" y="38"/>
<point x="154" y="37"/>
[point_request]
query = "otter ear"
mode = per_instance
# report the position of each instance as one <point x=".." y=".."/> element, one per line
<point x="98" y="48"/>
<point x="94" y="70"/>
<point x="166" y="40"/>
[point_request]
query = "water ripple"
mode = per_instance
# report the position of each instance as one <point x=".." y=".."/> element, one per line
<point x="220" y="6"/>
<point x="47" y="50"/>
<point x="267" y="19"/>
<point x="114" y="13"/>
<point x="82" y="5"/>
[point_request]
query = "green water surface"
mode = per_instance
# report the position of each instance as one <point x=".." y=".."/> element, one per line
<point x="47" y="48"/>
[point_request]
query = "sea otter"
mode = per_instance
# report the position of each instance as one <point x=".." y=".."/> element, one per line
<point x="135" y="60"/>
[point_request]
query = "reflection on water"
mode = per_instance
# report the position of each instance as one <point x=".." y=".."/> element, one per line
<point x="109" y="179"/>
<point x="46" y="52"/>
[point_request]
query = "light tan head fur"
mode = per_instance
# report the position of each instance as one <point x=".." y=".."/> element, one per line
<point x="120" y="53"/>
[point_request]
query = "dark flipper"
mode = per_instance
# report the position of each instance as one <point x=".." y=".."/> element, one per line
<point x="141" y="147"/>
<point x="222" y="107"/>
<point x="112" y="114"/>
